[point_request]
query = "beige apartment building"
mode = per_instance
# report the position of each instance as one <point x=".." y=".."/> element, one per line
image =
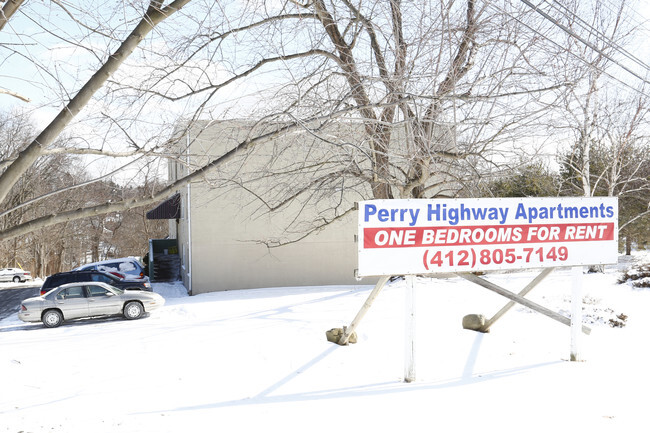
<point x="227" y="237"/>
<point x="276" y="214"/>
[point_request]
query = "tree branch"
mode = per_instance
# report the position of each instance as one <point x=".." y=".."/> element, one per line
<point x="154" y="16"/>
<point x="14" y="94"/>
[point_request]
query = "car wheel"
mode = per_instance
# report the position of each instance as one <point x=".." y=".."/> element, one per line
<point x="52" y="318"/>
<point x="133" y="310"/>
<point x="16" y="279"/>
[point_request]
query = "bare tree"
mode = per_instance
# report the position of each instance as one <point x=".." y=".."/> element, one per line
<point x="154" y="15"/>
<point x="604" y="116"/>
<point x="17" y="166"/>
<point x="42" y="249"/>
<point x="6" y="12"/>
<point x="396" y="99"/>
<point x="392" y="99"/>
<point x="594" y="34"/>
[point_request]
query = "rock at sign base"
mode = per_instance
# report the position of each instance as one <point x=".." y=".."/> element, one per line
<point x="475" y="322"/>
<point x="334" y="335"/>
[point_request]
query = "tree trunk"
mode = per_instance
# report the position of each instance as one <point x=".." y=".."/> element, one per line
<point x="8" y="10"/>
<point x="43" y="258"/>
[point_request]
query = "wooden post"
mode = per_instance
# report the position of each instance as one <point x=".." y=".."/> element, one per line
<point x="530" y="286"/>
<point x="523" y="301"/>
<point x="576" y="312"/>
<point x="409" y="326"/>
<point x="364" y="309"/>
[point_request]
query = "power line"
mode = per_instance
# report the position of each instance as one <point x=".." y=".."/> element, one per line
<point x="581" y="39"/>
<point x="588" y="27"/>
<point x="536" y="31"/>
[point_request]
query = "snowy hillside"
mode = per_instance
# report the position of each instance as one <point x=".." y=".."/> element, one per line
<point x="258" y="360"/>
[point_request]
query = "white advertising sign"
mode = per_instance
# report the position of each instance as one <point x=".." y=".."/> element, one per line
<point x="421" y="236"/>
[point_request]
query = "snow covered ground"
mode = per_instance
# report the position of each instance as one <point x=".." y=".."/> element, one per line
<point x="258" y="360"/>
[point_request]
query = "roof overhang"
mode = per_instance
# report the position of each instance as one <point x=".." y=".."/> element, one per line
<point x="167" y="210"/>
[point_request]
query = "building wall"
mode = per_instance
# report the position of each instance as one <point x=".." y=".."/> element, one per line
<point x="223" y="227"/>
<point x="226" y="225"/>
<point x="181" y="229"/>
<point x="227" y="253"/>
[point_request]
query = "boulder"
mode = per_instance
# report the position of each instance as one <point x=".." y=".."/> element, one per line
<point x="334" y="335"/>
<point x="475" y="322"/>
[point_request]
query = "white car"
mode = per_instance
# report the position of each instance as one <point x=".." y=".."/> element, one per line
<point x="87" y="299"/>
<point x="16" y="275"/>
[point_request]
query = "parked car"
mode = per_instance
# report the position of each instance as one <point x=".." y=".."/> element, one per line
<point x="128" y="266"/>
<point x="15" y="274"/>
<point x="81" y="300"/>
<point x="61" y="278"/>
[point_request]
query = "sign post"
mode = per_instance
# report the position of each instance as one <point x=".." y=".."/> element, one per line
<point x="409" y="326"/>
<point x="576" y="312"/>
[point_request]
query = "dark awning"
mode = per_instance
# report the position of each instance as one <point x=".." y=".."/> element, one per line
<point x="170" y="209"/>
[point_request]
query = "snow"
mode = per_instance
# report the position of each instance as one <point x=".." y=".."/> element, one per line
<point x="258" y="360"/>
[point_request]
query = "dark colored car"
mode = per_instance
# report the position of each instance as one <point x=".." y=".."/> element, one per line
<point x="61" y="278"/>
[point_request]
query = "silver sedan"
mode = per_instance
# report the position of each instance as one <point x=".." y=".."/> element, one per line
<point x="14" y="274"/>
<point x="79" y="300"/>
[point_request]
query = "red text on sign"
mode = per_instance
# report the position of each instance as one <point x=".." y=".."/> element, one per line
<point x="396" y="237"/>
